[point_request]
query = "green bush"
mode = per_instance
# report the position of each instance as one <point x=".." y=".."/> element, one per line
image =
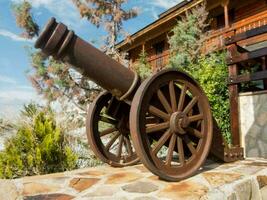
<point x="142" y="67"/>
<point x="211" y="72"/>
<point x="39" y="147"/>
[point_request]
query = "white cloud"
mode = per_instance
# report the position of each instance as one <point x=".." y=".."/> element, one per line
<point x="12" y="99"/>
<point x="17" y="95"/>
<point x="14" y="36"/>
<point x="152" y="11"/>
<point x="166" y="4"/>
<point x="6" y="79"/>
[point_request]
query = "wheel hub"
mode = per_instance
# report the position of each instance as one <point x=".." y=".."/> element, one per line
<point x="178" y="122"/>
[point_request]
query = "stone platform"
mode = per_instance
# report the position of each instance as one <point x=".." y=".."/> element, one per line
<point x="242" y="180"/>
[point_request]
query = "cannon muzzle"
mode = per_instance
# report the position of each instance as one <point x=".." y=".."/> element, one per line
<point x="56" y="40"/>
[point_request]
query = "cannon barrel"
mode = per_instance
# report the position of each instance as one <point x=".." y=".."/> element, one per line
<point x="64" y="45"/>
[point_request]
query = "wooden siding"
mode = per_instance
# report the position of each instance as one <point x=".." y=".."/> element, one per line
<point x="245" y="18"/>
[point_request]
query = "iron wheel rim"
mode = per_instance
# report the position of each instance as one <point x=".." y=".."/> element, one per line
<point x="96" y="142"/>
<point x="143" y="145"/>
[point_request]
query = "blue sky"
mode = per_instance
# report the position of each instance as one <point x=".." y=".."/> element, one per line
<point x="15" y="89"/>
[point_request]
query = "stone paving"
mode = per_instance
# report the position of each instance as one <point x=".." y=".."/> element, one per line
<point x="242" y="180"/>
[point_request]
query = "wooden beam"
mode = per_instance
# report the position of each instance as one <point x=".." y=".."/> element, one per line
<point x="247" y="56"/>
<point x="264" y="67"/>
<point x="225" y="4"/>
<point x="234" y="114"/>
<point x="247" y="77"/>
<point x="143" y="47"/>
<point x="246" y="35"/>
<point x="226" y="16"/>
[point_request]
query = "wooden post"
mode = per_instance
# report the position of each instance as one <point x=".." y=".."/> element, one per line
<point x="234" y="114"/>
<point x="226" y="14"/>
<point x="264" y="67"/>
<point x="143" y="47"/>
<point x="233" y="97"/>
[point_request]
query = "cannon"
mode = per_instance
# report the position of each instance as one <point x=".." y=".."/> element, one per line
<point x="164" y="121"/>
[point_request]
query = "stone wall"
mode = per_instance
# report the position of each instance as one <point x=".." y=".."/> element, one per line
<point x="253" y="123"/>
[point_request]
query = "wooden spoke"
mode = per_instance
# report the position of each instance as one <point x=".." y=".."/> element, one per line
<point x="190" y="113"/>
<point x="151" y="120"/>
<point x="111" y="142"/>
<point x="157" y="112"/>
<point x="195" y="117"/>
<point x="194" y="132"/>
<point x="164" y="101"/>
<point x="161" y="141"/>
<point x="119" y="150"/>
<point x="173" y="96"/>
<point x="170" y="150"/>
<point x="190" y="105"/>
<point x="157" y="127"/>
<point x="107" y="131"/>
<point x="108" y="120"/>
<point x="182" y="98"/>
<point x="190" y="145"/>
<point x="180" y="150"/>
<point x="128" y="146"/>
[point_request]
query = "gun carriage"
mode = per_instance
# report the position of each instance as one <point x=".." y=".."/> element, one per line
<point x="167" y="112"/>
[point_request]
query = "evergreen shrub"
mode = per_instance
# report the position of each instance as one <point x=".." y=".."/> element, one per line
<point x="38" y="147"/>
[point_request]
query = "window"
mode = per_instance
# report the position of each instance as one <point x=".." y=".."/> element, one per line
<point x="159" y="48"/>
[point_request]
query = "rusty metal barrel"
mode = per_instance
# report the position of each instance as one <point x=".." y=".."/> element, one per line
<point x="65" y="45"/>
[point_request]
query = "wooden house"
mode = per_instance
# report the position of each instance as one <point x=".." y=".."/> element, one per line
<point x="227" y="16"/>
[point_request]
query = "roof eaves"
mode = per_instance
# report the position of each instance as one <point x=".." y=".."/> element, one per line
<point x="123" y="42"/>
<point x="172" y="9"/>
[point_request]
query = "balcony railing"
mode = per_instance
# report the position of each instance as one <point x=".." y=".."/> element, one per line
<point x="158" y="62"/>
<point x="216" y="38"/>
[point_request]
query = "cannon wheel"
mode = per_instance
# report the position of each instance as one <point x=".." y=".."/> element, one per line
<point x="109" y="138"/>
<point x="171" y="125"/>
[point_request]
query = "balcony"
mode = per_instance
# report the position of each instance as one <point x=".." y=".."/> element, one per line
<point x="216" y="38"/>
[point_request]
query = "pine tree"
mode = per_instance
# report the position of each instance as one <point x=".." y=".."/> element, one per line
<point x="110" y="14"/>
<point x="188" y="37"/>
<point x="24" y="19"/>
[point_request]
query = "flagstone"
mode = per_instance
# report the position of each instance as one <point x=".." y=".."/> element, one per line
<point x="7" y="187"/>
<point x="49" y="197"/>
<point x="123" y="177"/>
<point x="92" y="173"/>
<point x="142" y="168"/>
<point x="45" y="176"/>
<point x="103" y="191"/>
<point x="81" y="184"/>
<point x="186" y="190"/>
<point x="262" y="180"/>
<point x="217" y="179"/>
<point x="140" y="187"/>
<point x="145" y="198"/>
<point x="264" y="193"/>
<point x="32" y="188"/>
<point x="247" y="170"/>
